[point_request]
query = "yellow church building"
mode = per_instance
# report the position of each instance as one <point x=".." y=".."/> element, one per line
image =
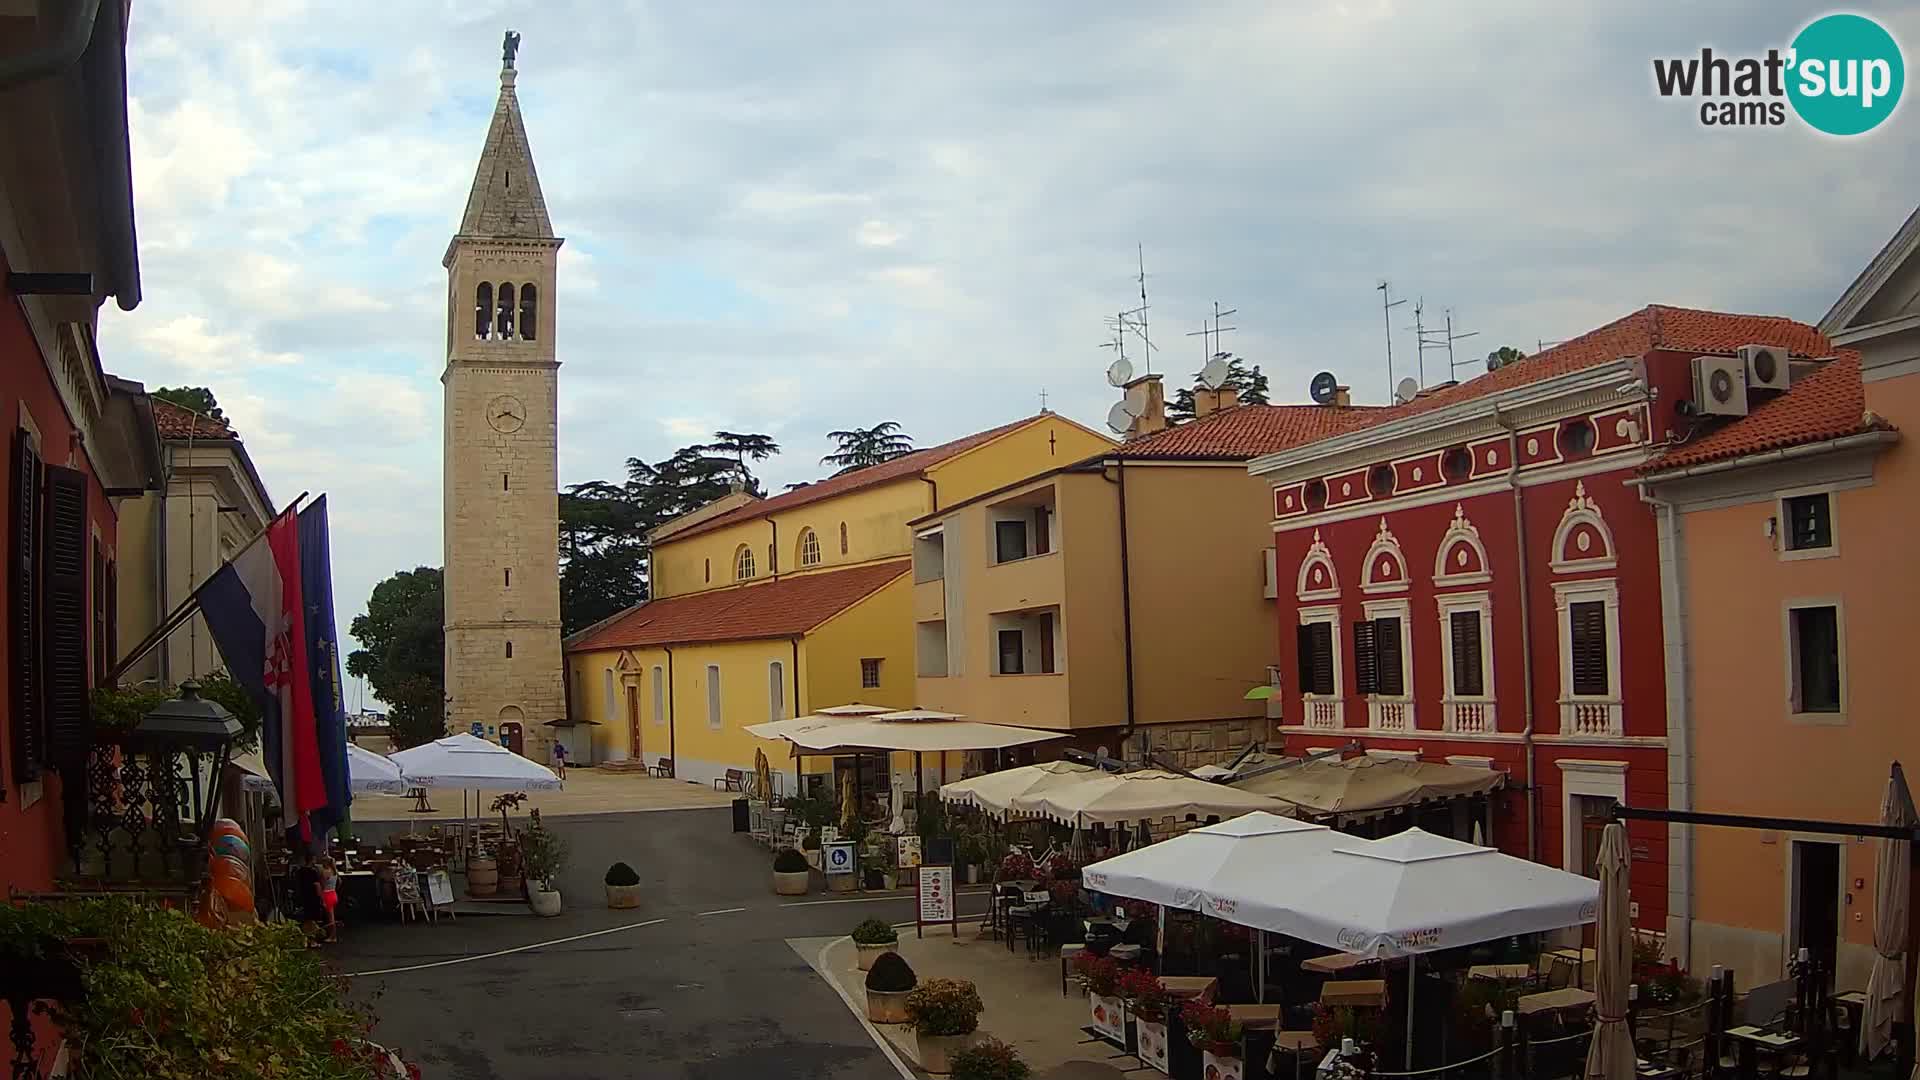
<point x="767" y="609"/>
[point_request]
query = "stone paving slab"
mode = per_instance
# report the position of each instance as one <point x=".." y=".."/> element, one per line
<point x="587" y="791"/>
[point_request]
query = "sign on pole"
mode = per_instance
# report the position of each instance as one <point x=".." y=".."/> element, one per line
<point x="935" y="890"/>
<point x="838" y="858"/>
<point x="909" y="851"/>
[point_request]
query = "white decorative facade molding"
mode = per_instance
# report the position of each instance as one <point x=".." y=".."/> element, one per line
<point x="1462" y="558"/>
<point x="1386" y="569"/>
<point x="1317" y="580"/>
<point x="1582" y="542"/>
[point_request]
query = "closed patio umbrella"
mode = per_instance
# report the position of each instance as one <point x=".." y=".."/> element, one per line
<point x="1886" y="985"/>
<point x="1610" y="1056"/>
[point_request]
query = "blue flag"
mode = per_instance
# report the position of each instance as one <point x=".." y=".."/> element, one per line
<point x="323" y="666"/>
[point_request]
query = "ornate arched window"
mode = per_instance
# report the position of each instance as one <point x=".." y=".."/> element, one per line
<point x="482" y="311"/>
<point x="1583" y="541"/>
<point x="503" y="321"/>
<point x="1386" y="569"/>
<point x="809" y="548"/>
<point x="743" y="563"/>
<point x="1462" y="558"/>
<point x="529" y="310"/>
<point x="1317" y="580"/>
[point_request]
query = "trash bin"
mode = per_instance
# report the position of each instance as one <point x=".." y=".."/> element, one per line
<point x="742" y="818"/>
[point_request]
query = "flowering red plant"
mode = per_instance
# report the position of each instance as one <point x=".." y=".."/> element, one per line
<point x="1145" y="994"/>
<point x="1099" y="974"/>
<point x="1016" y="866"/>
<point x="1210" y="1026"/>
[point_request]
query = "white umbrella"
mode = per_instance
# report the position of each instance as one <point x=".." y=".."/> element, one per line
<point x="994" y="792"/>
<point x="1610" y="1056"/>
<point x="371" y="772"/>
<point x="464" y="761"/>
<point x="780" y="729"/>
<point x="1180" y="872"/>
<point x="851" y="709"/>
<point x="928" y="735"/>
<point x="916" y="714"/>
<point x="1118" y="798"/>
<point x="1886" y="984"/>
<point x="253" y="773"/>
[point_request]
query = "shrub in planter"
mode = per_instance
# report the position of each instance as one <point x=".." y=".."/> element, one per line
<point x="790" y="873"/>
<point x="989" y="1059"/>
<point x="623" y="886"/>
<point x="945" y="1013"/>
<point x="871" y="938"/>
<point x="889" y="981"/>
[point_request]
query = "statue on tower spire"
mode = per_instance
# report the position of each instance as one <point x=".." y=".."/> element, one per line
<point x="509" y="47"/>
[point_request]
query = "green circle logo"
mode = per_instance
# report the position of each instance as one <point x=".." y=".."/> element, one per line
<point x="1847" y="74"/>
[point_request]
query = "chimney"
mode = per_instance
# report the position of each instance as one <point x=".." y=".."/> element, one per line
<point x="1207" y="402"/>
<point x="1154" y="417"/>
<point x="1342" y="399"/>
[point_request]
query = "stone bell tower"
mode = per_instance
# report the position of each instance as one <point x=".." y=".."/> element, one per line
<point x="504" y="673"/>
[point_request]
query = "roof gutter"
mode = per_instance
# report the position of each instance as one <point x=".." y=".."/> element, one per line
<point x="1770" y="457"/>
<point x="68" y="45"/>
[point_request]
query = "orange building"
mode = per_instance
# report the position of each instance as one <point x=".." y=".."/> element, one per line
<point x="1786" y="540"/>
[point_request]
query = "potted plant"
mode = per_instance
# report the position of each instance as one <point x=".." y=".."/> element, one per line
<point x="1016" y="866"/>
<point x="623" y="886"/>
<point x="1212" y="1029"/>
<point x="543" y="855"/>
<point x="791" y="875"/>
<point x="970" y="847"/>
<point x="889" y="981"/>
<point x="1100" y="977"/>
<point x="1148" y="1001"/>
<point x="988" y="1059"/>
<point x="873" y="867"/>
<point x="511" y="879"/>
<point x="945" y="1013"/>
<point x="871" y="938"/>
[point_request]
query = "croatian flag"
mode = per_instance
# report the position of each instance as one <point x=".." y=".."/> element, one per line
<point x="253" y="608"/>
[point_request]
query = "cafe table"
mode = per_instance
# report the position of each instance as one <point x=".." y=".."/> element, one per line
<point x="1335" y="963"/>
<point x="1751" y="1042"/>
<point x="1354" y="992"/>
<point x="1200" y="987"/>
<point x="1500" y="972"/>
<point x="1553" y="1001"/>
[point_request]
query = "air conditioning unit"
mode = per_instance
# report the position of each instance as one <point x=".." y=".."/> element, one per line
<point x="1767" y="367"/>
<point x="1719" y="386"/>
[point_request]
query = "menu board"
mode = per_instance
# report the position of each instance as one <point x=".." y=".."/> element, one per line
<point x="936" y="899"/>
<point x="909" y="851"/>
<point x="439" y="888"/>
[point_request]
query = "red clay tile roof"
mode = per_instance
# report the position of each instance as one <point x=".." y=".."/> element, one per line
<point x="1246" y="432"/>
<point x="899" y="468"/>
<point x="175" y="422"/>
<point x="1654" y="327"/>
<point x="782" y="608"/>
<point x="1827" y="404"/>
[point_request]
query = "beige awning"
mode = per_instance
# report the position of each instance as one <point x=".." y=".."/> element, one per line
<point x="780" y="729"/>
<point x="1123" y="798"/>
<point x="1363" y="784"/>
<point x="995" y="791"/>
<point x="853" y="708"/>
<point x="879" y="733"/>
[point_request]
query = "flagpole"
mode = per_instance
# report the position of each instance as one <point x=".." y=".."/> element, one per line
<point x="190" y="606"/>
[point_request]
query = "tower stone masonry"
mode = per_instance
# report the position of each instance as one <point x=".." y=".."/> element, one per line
<point x="503" y="665"/>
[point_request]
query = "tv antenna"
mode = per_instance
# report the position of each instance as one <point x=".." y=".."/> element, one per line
<point x="1209" y="335"/>
<point x="1136" y="320"/>
<point x="1451" y="337"/>
<point x="1387" y="304"/>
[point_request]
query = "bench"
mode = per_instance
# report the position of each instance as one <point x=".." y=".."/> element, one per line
<point x="665" y="768"/>
<point x="735" y="780"/>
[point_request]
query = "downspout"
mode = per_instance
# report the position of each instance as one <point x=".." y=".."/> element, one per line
<point x="672" y="729"/>
<point x="1679" y="680"/>
<point x="773" y="550"/>
<point x="798" y="708"/>
<point x="1526" y="628"/>
<point x="933" y="494"/>
<point x="1119" y="479"/>
<point x="160" y="554"/>
<point x="68" y="45"/>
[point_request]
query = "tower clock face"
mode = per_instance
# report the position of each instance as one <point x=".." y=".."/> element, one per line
<point x="506" y="414"/>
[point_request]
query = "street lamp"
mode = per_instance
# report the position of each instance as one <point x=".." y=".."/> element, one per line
<point x="189" y="726"/>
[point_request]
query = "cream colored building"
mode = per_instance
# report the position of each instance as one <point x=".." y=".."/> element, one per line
<point x="504" y="674"/>
<point x="214" y="502"/>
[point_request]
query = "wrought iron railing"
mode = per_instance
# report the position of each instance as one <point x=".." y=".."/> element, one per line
<point x="132" y="809"/>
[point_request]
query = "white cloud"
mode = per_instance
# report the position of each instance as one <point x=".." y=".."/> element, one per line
<point x="188" y="344"/>
<point x="877" y="234"/>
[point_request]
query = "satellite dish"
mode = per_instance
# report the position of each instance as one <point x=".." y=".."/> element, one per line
<point x="1119" y="419"/>
<point x="1120" y="372"/>
<point x="1135" y="401"/>
<point x="1323" y="387"/>
<point x="1408" y="389"/>
<point x="1214" y="375"/>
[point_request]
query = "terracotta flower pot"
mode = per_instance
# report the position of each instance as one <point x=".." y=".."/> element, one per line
<point x="935" y="1052"/>
<point x="887" y="1006"/>
<point x="623" y="896"/>
<point x="791" y="883"/>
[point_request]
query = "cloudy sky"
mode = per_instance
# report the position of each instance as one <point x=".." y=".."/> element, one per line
<point x="791" y="218"/>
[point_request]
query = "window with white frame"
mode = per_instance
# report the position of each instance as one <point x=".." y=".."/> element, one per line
<point x="659" y="696"/>
<point x="1588" y="617"/>
<point x="1466" y="661"/>
<point x="1383" y="663"/>
<point x="1816" y="656"/>
<point x="1806" y="525"/>
<point x="611" y="706"/>
<point x="776" y="691"/>
<point x="1318" y="644"/>
<point x="809" y="548"/>
<point x="743" y="563"/>
<point x="870" y="673"/>
<point x="713" y="696"/>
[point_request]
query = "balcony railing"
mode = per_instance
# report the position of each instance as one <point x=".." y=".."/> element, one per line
<point x="1390" y="713"/>
<point x="1323" y="712"/>
<point x="1590" y="717"/>
<point x="1467" y="717"/>
<point x="131" y="812"/>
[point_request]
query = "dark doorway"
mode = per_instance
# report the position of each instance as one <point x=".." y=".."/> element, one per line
<point x="511" y="739"/>
<point x="1816" y="900"/>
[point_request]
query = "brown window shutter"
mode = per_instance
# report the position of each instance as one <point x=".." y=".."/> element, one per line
<point x="1468" y="677"/>
<point x="23" y="601"/>
<point x="1323" y="659"/>
<point x="1589" y="633"/>
<point x="1366" y="669"/>
<point x="1303" y="654"/>
<point x="98" y="579"/>
<point x="1391" y="672"/>
<point x="63" y="625"/>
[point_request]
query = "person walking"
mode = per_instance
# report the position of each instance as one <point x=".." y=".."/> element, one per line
<point x="560" y="759"/>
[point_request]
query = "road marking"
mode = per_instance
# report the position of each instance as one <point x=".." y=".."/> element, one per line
<point x="503" y="952"/>
<point x="868" y="899"/>
<point x="721" y="911"/>
<point x="820" y="968"/>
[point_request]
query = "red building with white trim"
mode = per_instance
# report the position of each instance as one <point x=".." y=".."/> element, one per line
<point x="1470" y="578"/>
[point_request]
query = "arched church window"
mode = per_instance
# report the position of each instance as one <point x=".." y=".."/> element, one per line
<point x="529" y="305"/>
<point x="503" y="321"/>
<point x="482" y="311"/>
<point x="809" y="548"/>
<point x="743" y="563"/>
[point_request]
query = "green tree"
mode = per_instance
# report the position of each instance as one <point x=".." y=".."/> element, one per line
<point x="742" y="447"/>
<point x="403" y="652"/>
<point x="1248" y="381"/>
<point x="1502" y="356"/>
<point x="194" y="398"/>
<point x="862" y="448"/>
